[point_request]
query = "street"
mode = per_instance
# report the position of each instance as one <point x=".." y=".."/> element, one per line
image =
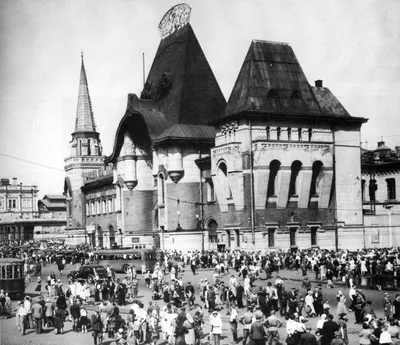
<point x="10" y="335"/>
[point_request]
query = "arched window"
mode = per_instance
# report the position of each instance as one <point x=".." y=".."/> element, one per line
<point x="315" y="178"/>
<point x="295" y="168"/>
<point x="79" y="148"/>
<point x="273" y="94"/>
<point x="223" y="173"/>
<point x="210" y="190"/>
<point x="111" y="235"/>
<point x="161" y="189"/>
<point x="89" y="147"/>
<point x="296" y="96"/>
<point x="274" y="167"/>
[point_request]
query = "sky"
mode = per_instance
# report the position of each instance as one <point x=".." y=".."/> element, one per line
<point x="353" y="46"/>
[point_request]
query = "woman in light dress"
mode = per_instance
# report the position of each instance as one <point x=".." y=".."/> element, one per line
<point x="190" y="338"/>
<point x="341" y="307"/>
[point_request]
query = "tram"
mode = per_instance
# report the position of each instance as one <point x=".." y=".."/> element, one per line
<point x="121" y="259"/>
<point x="12" y="278"/>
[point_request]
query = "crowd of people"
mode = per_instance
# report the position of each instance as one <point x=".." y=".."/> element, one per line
<point x="180" y="312"/>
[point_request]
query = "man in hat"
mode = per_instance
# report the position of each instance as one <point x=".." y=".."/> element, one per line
<point x="257" y="331"/>
<point x="308" y="338"/>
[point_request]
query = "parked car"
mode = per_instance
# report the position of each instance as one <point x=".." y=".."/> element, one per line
<point x="89" y="272"/>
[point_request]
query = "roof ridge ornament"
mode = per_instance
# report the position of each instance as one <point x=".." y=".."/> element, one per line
<point x="176" y="17"/>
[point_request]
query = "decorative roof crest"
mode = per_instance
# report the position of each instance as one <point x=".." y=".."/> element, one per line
<point x="176" y="18"/>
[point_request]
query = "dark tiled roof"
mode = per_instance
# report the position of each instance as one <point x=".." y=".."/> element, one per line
<point x="195" y="96"/>
<point x="53" y="205"/>
<point x="328" y="103"/>
<point x="54" y="197"/>
<point x="271" y="66"/>
<point x="187" y="132"/>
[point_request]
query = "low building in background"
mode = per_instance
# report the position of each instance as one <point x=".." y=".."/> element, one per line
<point x="381" y="195"/>
<point x="23" y="217"/>
<point x="52" y="206"/>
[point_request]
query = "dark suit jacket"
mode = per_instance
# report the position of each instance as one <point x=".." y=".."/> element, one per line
<point x="328" y="332"/>
<point x="308" y="339"/>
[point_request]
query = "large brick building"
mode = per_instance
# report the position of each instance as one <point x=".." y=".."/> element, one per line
<point x="277" y="166"/>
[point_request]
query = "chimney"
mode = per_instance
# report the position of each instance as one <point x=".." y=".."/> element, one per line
<point x="5" y="181"/>
<point x="14" y="181"/>
<point x="318" y="83"/>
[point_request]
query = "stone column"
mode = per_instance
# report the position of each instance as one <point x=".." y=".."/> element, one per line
<point x="283" y="187"/>
<point x="326" y="187"/>
<point x="305" y="176"/>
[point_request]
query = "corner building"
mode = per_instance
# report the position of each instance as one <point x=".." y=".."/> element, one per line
<point x="276" y="167"/>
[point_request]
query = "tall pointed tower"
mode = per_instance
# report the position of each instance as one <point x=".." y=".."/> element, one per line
<point x="85" y="155"/>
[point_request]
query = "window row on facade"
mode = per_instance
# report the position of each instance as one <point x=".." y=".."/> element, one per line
<point x="272" y="183"/>
<point x="15" y="203"/>
<point x="373" y="186"/>
<point x="100" y="206"/>
<point x="293" y="232"/>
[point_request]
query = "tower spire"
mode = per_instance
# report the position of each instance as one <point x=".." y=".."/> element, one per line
<point x="84" y="113"/>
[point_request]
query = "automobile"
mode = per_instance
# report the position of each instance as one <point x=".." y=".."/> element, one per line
<point x="89" y="272"/>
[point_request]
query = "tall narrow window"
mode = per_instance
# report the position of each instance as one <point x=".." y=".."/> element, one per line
<point x="268" y="133"/>
<point x="295" y="168"/>
<point x="271" y="237"/>
<point x="210" y="190"/>
<point x="309" y="134"/>
<point x="278" y="133"/>
<point x="299" y="131"/>
<point x="293" y="236"/>
<point x="223" y="172"/>
<point x="289" y="133"/>
<point x="391" y="188"/>
<point x="161" y="189"/>
<point x="272" y="182"/>
<point x="314" y="236"/>
<point x="315" y="177"/>
<point x="363" y="182"/>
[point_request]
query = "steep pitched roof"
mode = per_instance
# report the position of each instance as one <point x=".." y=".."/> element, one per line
<point x="181" y="81"/>
<point x="271" y="81"/>
<point x="328" y="103"/>
<point x="84" y="112"/>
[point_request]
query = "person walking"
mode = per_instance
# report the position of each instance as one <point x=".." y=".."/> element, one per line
<point x="37" y="314"/>
<point x="49" y="313"/>
<point x="39" y="285"/>
<point x="59" y="316"/>
<point x="75" y="312"/>
<point x="216" y="327"/>
<point x="257" y="331"/>
<point x="97" y="327"/>
<point x="308" y="338"/>
<point x="233" y="322"/>
<point x="328" y="330"/>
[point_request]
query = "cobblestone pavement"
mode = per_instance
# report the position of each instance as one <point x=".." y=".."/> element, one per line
<point x="10" y="335"/>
